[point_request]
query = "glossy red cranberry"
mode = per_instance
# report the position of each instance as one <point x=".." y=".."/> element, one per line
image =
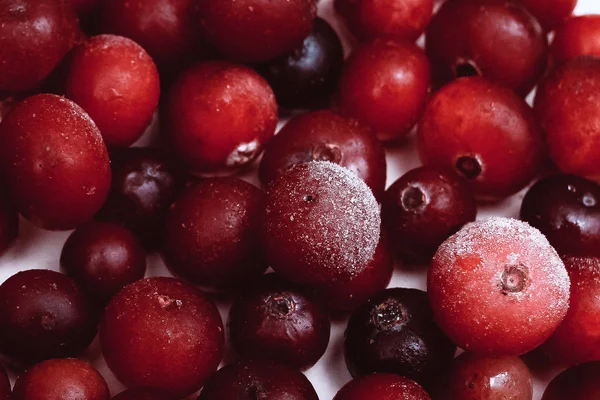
<point x="463" y="39"/>
<point x="163" y="333"/>
<point x="384" y="85"/>
<point x="61" y="379"/>
<point x="309" y="75"/>
<point x="116" y="82"/>
<point x="144" y="393"/>
<point x="54" y="162"/>
<point x="167" y="29"/>
<point x="485" y="133"/>
<point x="423" y="208"/>
<point x="473" y="376"/>
<point x="326" y="136"/>
<point x="550" y="13"/>
<point x="145" y="181"/>
<point x="566" y="209"/>
<point x="212" y="232"/>
<point x="566" y="105"/>
<point x="258" y="380"/>
<point x="9" y="223"/>
<point x="497" y="287"/>
<point x="347" y="295"/>
<point x="382" y="387"/>
<point x="36" y="35"/>
<point x="278" y="321"/>
<point x="44" y="315"/>
<point x="394" y="332"/>
<point x="102" y="258"/>
<point x="577" y="36"/>
<point x="256" y="30"/>
<point x="5" y="389"/>
<point x="219" y="116"/>
<point x="400" y="19"/>
<point x="577" y="383"/>
<point x="322" y="224"/>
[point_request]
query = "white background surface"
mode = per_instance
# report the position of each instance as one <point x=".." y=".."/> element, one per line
<point x="40" y="249"/>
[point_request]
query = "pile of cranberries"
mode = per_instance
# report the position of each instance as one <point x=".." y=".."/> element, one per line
<point x="249" y="222"/>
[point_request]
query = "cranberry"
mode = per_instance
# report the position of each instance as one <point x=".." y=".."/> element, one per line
<point x="61" y="379"/>
<point x="5" y="390"/>
<point x="497" y="287"/>
<point x="256" y="30"/>
<point x="566" y="209"/>
<point x="473" y="376"/>
<point x="486" y="133"/>
<point x="145" y="181"/>
<point x="395" y="332"/>
<point x="278" y="321"/>
<point x="163" y="333"/>
<point x="43" y="315"/>
<point x="54" y="162"/>
<point x="36" y="35"/>
<point x="258" y="380"/>
<point x="566" y="105"/>
<point x="382" y="387"/>
<point x="144" y="393"/>
<point x="326" y="136"/>
<point x="423" y="208"/>
<point x="219" y="116"/>
<point x="102" y="258"/>
<point x="578" y="383"/>
<point x="401" y="19"/>
<point x="322" y="224"/>
<point x="463" y="39"/>
<point x="550" y="13"/>
<point x="212" y="234"/>
<point x="384" y="85"/>
<point x="116" y="82"/>
<point x="9" y="223"/>
<point x="577" y="36"/>
<point x="308" y="76"/>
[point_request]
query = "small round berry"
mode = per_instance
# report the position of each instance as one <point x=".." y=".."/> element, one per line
<point x="144" y="393"/>
<point x="550" y="13"/>
<point x="577" y="383"/>
<point x="382" y="387"/>
<point x="497" y="287"/>
<point x="577" y="36"/>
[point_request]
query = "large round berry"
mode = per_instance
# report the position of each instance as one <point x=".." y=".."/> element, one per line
<point x="382" y="387"/>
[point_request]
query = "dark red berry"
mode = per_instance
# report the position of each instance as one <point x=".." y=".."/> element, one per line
<point x="577" y="36"/>
<point x="278" y="321"/>
<point x="9" y="222"/>
<point x="212" y="234"/>
<point x="144" y="393"/>
<point x="577" y="383"/>
<point x="423" y="208"/>
<point x="382" y="387"/>
<point x="497" y="287"/>
<point x="326" y="136"/>
<point x="322" y="224"/>
<point x="550" y="13"/>
<point x="394" y="332"/>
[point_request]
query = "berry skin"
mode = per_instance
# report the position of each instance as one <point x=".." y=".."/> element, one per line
<point x="550" y="13"/>
<point x="577" y="383"/>
<point x="382" y="387"/>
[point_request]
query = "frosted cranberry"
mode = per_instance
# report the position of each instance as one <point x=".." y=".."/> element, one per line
<point x="9" y="222"/>
<point x="395" y="332"/>
<point x="347" y="295"/>
<point x="163" y="333"/>
<point x="219" y="116"/>
<point x="550" y="13"/>
<point x="577" y="36"/>
<point x="497" y="287"/>
<point x="566" y="105"/>
<point x="278" y="321"/>
<point x="462" y="40"/>
<point x="61" y="379"/>
<point x="43" y="315"/>
<point x="382" y="387"/>
<point x="102" y="258"/>
<point x="322" y="224"/>
<point x="309" y="75"/>
<point x="422" y="208"/>
<point x="258" y="380"/>
<point x="256" y="30"/>
<point x="212" y="231"/>
<point x="566" y="209"/>
<point x="485" y="133"/>
<point x="483" y="377"/>
<point x="5" y="389"/>
<point x="36" y="35"/>
<point x="401" y="19"/>
<point x="326" y="136"/>
<point x="55" y="164"/>
<point x="144" y="393"/>
<point x="116" y="82"/>
<point x="577" y="383"/>
<point x="385" y="85"/>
